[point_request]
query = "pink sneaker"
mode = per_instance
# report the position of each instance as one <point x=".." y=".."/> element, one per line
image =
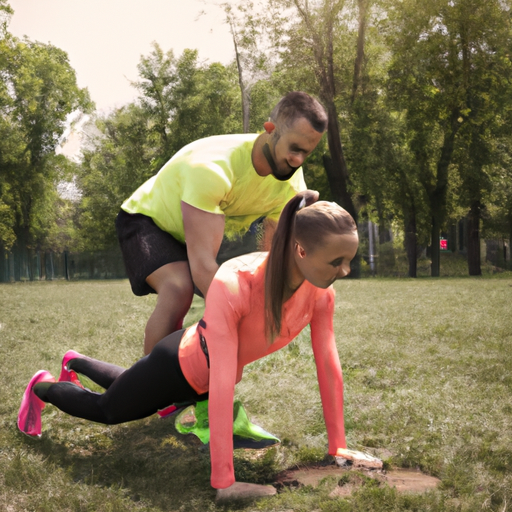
<point x="173" y="409"/>
<point x="29" y="415"/>
<point x="67" y="375"/>
<point x="168" y="411"/>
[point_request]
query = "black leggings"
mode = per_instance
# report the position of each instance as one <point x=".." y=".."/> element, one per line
<point x="152" y="383"/>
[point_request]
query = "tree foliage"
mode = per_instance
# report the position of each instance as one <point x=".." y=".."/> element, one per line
<point x="418" y="96"/>
<point x="181" y="100"/>
<point x="38" y="91"/>
<point x="447" y="72"/>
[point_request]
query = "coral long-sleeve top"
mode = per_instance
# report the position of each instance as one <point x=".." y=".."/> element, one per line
<point x="233" y="327"/>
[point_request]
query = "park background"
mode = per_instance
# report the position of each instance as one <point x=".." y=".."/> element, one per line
<point x="418" y="150"/>
<point x="418" y="146"/>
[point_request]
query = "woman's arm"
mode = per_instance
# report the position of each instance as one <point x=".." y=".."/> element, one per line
<point x="219" y="328"/>
<point x="224" y="308"/>
<point x="330" y="378"/>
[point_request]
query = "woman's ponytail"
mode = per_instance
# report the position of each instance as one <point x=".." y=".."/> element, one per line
<point x="275" y="273"/>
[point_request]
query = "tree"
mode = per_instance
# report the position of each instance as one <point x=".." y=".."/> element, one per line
<point x="253" y="55"/>
<point x="425" y="82"/>
<point x="318" y="28"/>
<point x="486" y="41"/>
<point x="123" y="154"/>
<point x="304" y="40"/>
<point x="497" y="216"/>
<point x="38" y="91"/>
<point x="186" y="100"/>
<point x="449" y="71"/>
<point x="182" y="100"/>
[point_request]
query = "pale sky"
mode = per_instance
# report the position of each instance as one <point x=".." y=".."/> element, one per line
<point x="104" y="39"/>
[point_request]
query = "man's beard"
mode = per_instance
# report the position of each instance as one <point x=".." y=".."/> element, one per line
<point x="273" y="166"/>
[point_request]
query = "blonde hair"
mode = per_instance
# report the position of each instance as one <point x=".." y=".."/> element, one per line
<point x="309" y="223"/>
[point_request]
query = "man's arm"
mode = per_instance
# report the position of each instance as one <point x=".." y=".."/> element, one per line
<point x="269" y="228"/>
<point x="203" y="236"/>
<point x="270" y="222"/>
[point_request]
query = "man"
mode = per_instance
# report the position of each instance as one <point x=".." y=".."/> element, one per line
<point x="171" y="228"/>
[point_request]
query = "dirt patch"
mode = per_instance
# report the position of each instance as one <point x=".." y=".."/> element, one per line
<point x="349" y="479"/>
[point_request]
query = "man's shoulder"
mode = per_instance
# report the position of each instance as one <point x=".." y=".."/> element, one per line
<point x="217" y="144"/>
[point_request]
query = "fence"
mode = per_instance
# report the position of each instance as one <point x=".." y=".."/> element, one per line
<point x="30" y="265"/>
<point x="377" y="258"/>
<point x="49" y="265"/>
<point x="383" y="254"/>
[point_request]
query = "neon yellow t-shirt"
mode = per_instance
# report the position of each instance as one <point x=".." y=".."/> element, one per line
<point x="216" y="175"/>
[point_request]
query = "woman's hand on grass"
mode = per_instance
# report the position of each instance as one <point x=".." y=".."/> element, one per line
<point x="242" y="491"/>
<point x="357" y="458"/>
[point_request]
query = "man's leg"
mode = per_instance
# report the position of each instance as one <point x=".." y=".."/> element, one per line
<point x="175" y="289"/>
<point x="156" y="263"/>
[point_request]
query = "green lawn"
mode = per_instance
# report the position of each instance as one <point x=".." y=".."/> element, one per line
<point x="428" y="384"/>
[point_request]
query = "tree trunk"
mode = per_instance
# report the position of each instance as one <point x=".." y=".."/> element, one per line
<point x="411" y="243"/>
<point x="435" y="251"/>
<point x="438" y="195"/>
<point x="336" y="165"/>
<point x="509" y="262"/>
<point x="358" y="63"/>
<point x="3" y="265"/>
<point x="243" y="89"/>
<point x="42" y="263"/>
<point x="474" y="260"/>
<point x="337" y="175"/>
<point x="246" y="108"/>
<point x="30" y="265"/>
<point x="371" y="247"/>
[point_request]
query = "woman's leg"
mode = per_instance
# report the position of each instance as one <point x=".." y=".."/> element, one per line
<point x="150" y="384"/>
<point x="103" y="374"/>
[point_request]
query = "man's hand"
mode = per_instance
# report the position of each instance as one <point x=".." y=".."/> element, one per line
<point x="203" y="236"/>
<point x="242" y="491"/>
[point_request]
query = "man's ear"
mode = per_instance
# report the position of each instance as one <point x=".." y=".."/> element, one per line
<point x="269" y="126"/>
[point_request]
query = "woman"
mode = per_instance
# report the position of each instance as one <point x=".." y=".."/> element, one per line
<point x="256" y="304"/>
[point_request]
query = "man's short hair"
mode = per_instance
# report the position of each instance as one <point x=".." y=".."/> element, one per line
<point x="299" y="104"/>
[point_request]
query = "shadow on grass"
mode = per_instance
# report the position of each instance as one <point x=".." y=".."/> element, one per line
<point x="147" y="459"/>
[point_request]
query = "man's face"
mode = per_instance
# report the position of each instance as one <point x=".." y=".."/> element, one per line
<point x="290" y="146"/>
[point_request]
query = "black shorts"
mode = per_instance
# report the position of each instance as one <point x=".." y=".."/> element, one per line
<point x="145" y="248"/>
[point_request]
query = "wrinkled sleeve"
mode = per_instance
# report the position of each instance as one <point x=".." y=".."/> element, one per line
<point x="220" y="329"/>
<point x="330" y="378"/>
<point x="205" y="187"/>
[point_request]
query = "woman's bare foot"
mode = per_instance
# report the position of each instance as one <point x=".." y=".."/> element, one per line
<point x="242" y="491"/>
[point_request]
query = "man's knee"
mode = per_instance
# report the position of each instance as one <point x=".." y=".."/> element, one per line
<point x="173" y="288"/>
<point x="172" y="280"/>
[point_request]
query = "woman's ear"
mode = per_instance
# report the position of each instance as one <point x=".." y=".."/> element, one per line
<point x="300" y="250"/>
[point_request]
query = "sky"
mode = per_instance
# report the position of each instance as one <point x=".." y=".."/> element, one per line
<point x="105" y="39"/>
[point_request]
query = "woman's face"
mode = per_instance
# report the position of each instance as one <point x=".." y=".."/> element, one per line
<point x="323" y="265"/>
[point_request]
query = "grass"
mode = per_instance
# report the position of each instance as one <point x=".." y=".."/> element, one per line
<point x="428" y="376"/>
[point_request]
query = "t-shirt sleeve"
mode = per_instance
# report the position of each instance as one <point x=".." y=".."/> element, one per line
<point x="330" y="378"/>
<point x="205" y="187"/>
<point x="220" y="332"/>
